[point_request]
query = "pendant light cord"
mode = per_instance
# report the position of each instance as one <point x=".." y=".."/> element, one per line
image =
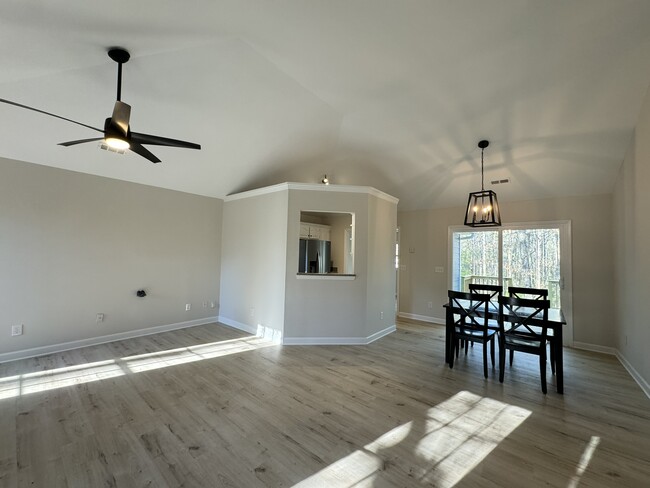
<point x="482" y="180"/>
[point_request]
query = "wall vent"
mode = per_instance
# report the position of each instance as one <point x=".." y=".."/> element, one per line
<point x="500" y="182"/>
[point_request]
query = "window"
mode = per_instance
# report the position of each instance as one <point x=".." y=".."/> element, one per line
<point x="527" y="256"/>
<point x="326" y="243"/>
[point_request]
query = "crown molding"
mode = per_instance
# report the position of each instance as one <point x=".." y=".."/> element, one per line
<point x="312" y="187"/>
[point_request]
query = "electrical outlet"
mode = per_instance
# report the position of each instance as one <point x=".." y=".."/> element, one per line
<point x="17" y="330"/>
<point x="188" y="307"/>
<point x="252" y="311"/>
<point x="205" y="304"/>
<point x="381" y="315"/>
<point x="100" y="317"/>
<point x="213" y="304"/>
<point x="430" y="305"/>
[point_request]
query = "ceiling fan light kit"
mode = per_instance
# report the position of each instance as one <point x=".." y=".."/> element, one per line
<point x="482" y="206"/>
<point x="117" y="134"/>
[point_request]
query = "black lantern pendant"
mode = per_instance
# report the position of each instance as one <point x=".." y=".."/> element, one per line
<point x="482" y="206"/>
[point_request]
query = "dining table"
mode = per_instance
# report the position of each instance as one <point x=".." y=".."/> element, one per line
<point x="556" y="321"/>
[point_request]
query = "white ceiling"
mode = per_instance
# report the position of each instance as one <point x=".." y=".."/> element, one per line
<point x="385" y="93"/>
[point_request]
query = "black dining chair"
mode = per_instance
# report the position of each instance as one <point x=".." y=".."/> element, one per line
<point x="535" y="294"/>
<point x="471" y="323"/>
<point x="495" y="291"/>
<point x="523" y="326"/>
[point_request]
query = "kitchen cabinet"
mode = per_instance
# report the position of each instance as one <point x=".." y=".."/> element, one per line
<point x="315" y="231"/>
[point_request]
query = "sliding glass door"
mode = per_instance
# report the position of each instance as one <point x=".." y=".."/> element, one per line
<point x="535" y="255"/>
<point x="531" y="258"/>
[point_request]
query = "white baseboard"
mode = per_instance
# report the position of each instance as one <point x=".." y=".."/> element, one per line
<point x="93" y="341"/>
<point x="238" y="325"/>
<point x="594" y="348"/>
<point x="421" y="318"/>
<point x="634" y="373"/>
<point x="337" y="341"/>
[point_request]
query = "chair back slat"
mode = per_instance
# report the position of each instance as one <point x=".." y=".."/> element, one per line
<point x="495" y="291"/>
<point x="470" y="310"/>
<point x="525" y="316"/>
<point x="524" y="292"/>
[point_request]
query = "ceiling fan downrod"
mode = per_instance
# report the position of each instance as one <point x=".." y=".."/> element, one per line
<point x="120" y="56"/>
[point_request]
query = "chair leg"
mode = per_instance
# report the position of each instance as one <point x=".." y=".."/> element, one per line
<point x="552" y="357"/>
<point x="454" y="344"/>
<point x="485" y="359"/>
<point x="492" y="351"/>
<point x="542" y="369"/>
<point x="512" y="356"/>
<point x="502" y="360"/>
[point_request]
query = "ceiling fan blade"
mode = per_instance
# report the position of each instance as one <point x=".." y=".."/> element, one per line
<point x="162" y="141"/>
<point x="121" y="116"/>
<point x="48" y="113"/>
<point x="80" y="141"/>
<point x="143" y="151"/>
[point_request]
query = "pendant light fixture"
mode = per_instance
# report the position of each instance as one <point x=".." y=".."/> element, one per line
<point x="482" y="206"/>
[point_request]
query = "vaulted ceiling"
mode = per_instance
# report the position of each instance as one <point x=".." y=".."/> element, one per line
<point x="390" y="94"/>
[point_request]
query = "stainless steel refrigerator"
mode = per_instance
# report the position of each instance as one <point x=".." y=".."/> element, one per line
<point x="314" y="256"/>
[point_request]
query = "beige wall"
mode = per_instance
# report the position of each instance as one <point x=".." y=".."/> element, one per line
<point x="425" y="233"/>
<point x="73" y="245"/>
<point x="382" y="217"/>
<point x="631" y="233"/>
<point x="253" y="263"/>
<point x="326" y="307"/>
<point x="260" y="283"/>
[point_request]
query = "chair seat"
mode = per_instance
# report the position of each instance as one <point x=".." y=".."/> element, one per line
<point x="538" y="330"/>
<point x="473" y="335"/>
<point x="493" y="324"/>
<point x="522" y="341"/>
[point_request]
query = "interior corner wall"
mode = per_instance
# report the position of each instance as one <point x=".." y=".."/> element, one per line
<point x="74" y="245"/>
<point x="424" y="243"/>
<point x="631" y="240"/>
<point x="326" y="308"/>
<point x="253" y="263"/>
<point x="382" y="218"/>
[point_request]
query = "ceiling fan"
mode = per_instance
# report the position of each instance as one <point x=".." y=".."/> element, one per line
<point x="117" y="131"/>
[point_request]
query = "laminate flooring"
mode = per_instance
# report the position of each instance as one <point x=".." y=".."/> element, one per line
<point x="210" y="406"/>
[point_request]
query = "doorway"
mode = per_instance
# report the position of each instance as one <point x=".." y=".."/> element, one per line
<point x="533" y="255"/>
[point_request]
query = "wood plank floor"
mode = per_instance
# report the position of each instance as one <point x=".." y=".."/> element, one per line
<point x="209" y="406"/>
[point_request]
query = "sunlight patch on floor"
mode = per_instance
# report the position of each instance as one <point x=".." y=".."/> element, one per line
<point x="172" y="357"/>
<point x="24" y="384"/>
<point x="584" y="461"/>
<point x="438" y="450"/>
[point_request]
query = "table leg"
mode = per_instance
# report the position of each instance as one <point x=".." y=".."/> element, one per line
<point x="449" y="323"/>
<point x="559" y="362"/>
